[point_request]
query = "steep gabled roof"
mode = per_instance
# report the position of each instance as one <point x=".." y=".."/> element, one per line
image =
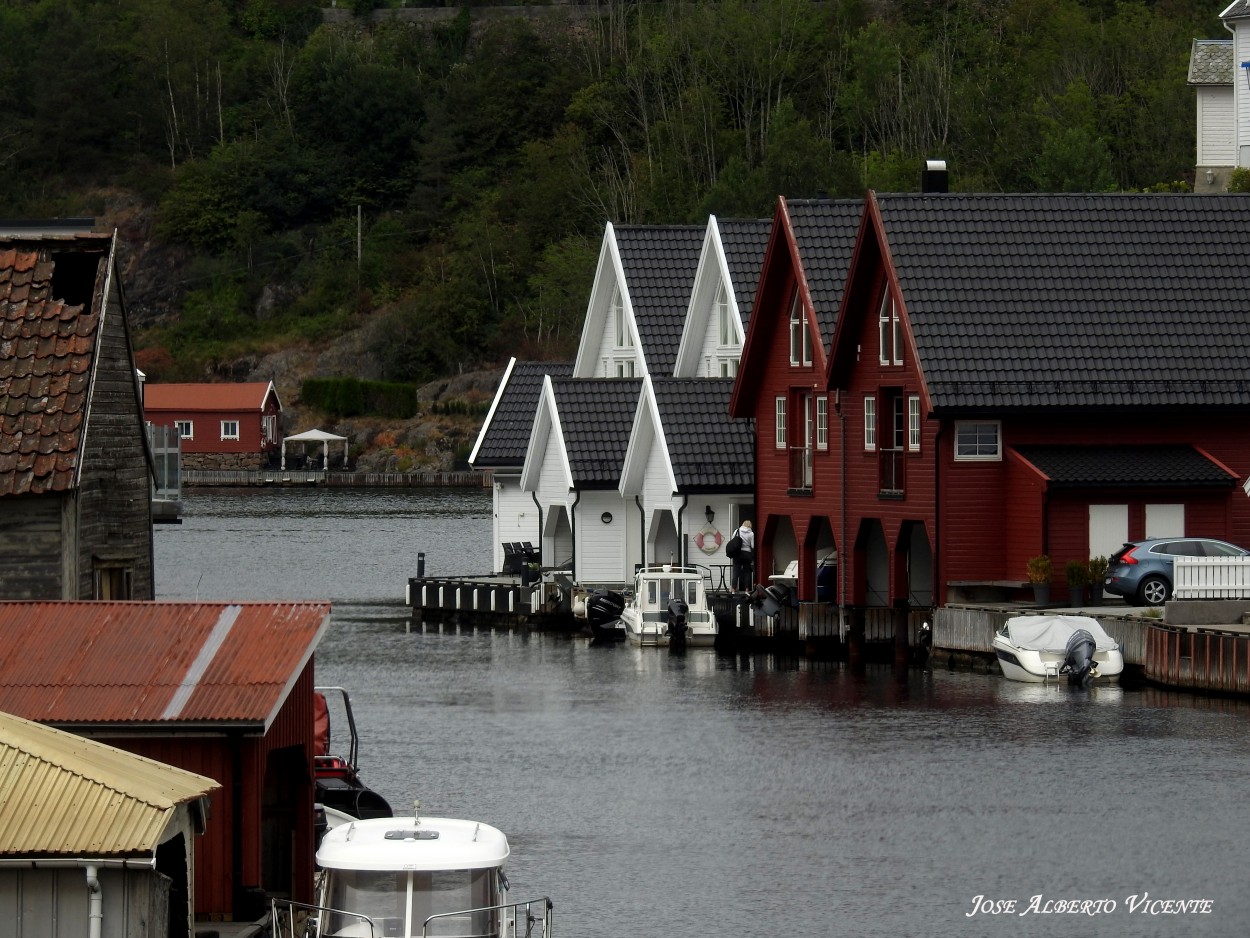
<point x="1120" y="466"/>
<point x="824" y="234"/>
<point x="53" y="293"/>
<point x="595" y="416"/>
<point x="659" y="265"/>
<point x="130" y="664"/>
<point x="1023" y="301"/>
<point x="63" y="795"/>
<point x="246" y="395"/>
<point x="706" y="447"/>
<point x="505" y="434"/>
<point x="744" y="242"/>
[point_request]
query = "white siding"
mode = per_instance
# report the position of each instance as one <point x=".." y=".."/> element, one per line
<point x="1216" y="131"/>
<point x="516" y="516"/>
<point x="1241" y="98"/>
<point x="601" y="547"/>
<point x="656" y="491"/>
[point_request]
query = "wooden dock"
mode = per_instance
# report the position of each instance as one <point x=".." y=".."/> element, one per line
<point x="1210" y="659"/>
<point x="246" y="478"/>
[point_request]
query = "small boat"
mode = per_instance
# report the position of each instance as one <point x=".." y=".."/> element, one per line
<point x="668" y="606"/>
<point x="1038" y="648"/>
<point x="338" y="781"/>
<point x="409" y="877"/>
<point x="601" y="610"/>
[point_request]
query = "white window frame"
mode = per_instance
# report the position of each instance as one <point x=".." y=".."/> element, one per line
<point x="779" y="432"/>
<point x="822" y="422"/>
<point x="729" y="367"/>
<point x="728" y="335"/>
<point x="800" y="335"/>
<point x="913" y="423"/>
<point x="870" y="423"/>
<point x="889" y="332"/>
<point x="978" y="451"/>
<point x="225" y="435"/>
<point x="185" y="428"/>
<point x="624" y="337"/>
<point x="625" y="368"/>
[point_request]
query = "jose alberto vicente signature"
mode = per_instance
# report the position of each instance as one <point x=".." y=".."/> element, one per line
<point x="1143" y="904"/>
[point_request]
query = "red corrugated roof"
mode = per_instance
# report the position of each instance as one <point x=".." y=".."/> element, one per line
<point x="249" y="395"/>
<point x="154" y="662"/>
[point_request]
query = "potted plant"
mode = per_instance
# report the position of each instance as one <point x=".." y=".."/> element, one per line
<point x="1097" y="574"/>
<point x="1039" y="577"/>
<point x="1077" y="574"/>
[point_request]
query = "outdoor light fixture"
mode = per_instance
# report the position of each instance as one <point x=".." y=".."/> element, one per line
<point x="709" y="514"/>
<point x="606" y="517"/>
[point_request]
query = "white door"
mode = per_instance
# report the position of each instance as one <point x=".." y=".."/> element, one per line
<point x="1165" y="521"/>
<point x="1108" y="529"/>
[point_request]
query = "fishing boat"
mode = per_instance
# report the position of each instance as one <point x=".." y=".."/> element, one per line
<point x="412" y="877"/>
<point x="1036" y="649"/>
<point x="337" y="774"/>
<point x="668" y="606"/>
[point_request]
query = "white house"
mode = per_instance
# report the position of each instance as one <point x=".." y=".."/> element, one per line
<point x="1211" y="73"/>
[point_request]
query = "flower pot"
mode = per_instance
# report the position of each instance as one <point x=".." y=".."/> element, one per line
<point x="1041" y="594"/>
<point x="1076" y="596"/>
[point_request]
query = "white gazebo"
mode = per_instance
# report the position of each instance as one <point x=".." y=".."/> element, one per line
<point x="316" y="436"/>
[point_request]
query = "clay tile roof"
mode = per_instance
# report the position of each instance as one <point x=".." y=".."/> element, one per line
<point x="247" y="395"/>
<point x="709" y="450"/>
<point x="597" y="415"/>
<point x="659" y="263"/>
<point x="44" y="342"/>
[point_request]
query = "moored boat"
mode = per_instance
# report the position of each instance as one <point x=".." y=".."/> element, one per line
<point x="1039" y="648"/>
<point x="601" y="611"/>
<point x="668" y="606"/>
<point x="338" y="781"/>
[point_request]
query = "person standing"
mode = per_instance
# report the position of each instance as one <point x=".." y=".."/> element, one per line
<point x="745" y="559"/>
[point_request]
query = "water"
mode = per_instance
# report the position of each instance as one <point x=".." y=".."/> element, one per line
<point x="656" y="794"/>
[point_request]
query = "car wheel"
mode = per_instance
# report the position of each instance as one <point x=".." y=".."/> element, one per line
<point x="1154" y="591"/>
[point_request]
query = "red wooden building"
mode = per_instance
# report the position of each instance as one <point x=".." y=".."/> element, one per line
<point x="224" y="690"/>
<point x="1009" y="375"/>
<point x="223" y="426"/>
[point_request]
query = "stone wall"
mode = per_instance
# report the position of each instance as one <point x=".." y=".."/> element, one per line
<point x="219" y="461"/>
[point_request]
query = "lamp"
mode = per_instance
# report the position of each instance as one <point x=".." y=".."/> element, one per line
<point x="709" y="514"/>
<point x="606" y="517"/>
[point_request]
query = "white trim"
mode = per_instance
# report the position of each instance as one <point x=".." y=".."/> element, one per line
<point x="490" y="414"/>
<point x="870" y="423"/>
<point x="229" y="436"/>
<point x="996" y="456"/>
<point x="913" y="423"/>
<point x="822" y="422"/>
<point x="779" y="415"/>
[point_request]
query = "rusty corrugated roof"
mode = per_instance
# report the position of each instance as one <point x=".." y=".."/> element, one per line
<point x="46" y="351"/>
<point x="249" y="395"/>
<point x="62" y="794"/>
<point x="154" y="663"/>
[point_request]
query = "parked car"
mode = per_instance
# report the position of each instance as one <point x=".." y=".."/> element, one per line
<point x="1142" y="571"/>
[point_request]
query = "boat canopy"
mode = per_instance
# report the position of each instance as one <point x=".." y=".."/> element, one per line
<point x="396" y="843"/>
<point x="1051" y="633"/>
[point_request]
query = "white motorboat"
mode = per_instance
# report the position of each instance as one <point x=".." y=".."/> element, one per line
<point x="668" y="606"/>
<point x="411" y="877"/>
<point x="1040" y="648"/>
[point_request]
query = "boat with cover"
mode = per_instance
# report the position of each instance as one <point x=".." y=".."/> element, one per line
<point x="1038" y="648"/>
<point x="668" y="606"/>
<point x="411" y="877"/>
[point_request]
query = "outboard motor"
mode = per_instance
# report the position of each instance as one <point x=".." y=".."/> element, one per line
<point x="770" y="599"/>
<point x="603" y="608"/>
<point x="1078" y="658"/>
<point x="677" y="627"/>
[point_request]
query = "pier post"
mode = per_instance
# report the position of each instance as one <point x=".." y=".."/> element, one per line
<point x="855" y="637"/>
<point x="902" y="655"/>
<point x="420" y="564"/>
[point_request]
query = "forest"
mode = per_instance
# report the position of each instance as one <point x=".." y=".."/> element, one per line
<point x="448" y="183"/>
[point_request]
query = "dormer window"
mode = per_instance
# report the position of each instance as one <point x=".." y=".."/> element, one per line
<point x="722" y="311"/>
<point x="800" y="335"/>
<point x="889" y="332"/>
<point x="624" y="338"/>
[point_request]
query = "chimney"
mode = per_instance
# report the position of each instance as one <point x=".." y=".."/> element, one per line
<point x="933" y="179"/>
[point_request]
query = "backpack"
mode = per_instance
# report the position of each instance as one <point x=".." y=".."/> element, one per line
<point x="734" y="546"/>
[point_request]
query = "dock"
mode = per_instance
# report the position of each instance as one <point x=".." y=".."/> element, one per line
<point x="332" y="478"/>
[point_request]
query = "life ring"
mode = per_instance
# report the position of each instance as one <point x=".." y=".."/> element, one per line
<point x="708" y="540"/>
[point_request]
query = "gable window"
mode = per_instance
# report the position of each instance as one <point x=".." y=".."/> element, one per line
<point x="185" y="428"/>
<point x="729" y="367"/>
<point x="870" y="423"/>
<point x="889" y="332"/>
<point x="112" y="581"/>
<point x="800" y="335"/>
<point x="822" y="422"/>
<point x="913" y="423"/>
<point x="625" y="368"/>
<point x="230" y="429"/>
<point x="978" y="440"/>
<point x="620" y="323"/>
<point x="780" y="432"/>
<point x="728" y="335"/>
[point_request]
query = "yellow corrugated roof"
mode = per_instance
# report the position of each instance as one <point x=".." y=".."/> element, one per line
<point x="63" y="794"/>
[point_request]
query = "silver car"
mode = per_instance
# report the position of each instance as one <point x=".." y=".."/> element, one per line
<point x="1142" y="571"/>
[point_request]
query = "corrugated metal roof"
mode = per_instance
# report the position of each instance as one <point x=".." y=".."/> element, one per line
<point x="247" y="395"/>
<point x="132" y="663"/>
<point x="64" y="795"/>
<point x="47" y="346"/>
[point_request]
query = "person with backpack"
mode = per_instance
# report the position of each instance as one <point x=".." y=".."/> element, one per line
<point x="743" y="557"/>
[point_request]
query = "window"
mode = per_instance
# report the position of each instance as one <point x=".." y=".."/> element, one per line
<point x="728" y="335"/>
<point x="913" y="423"/>
<point x="625" y="368"/>
<point x="230" y="429"/>
<point x="889" y="332"/>
<point x="870" y="423"/>
<point x="113" y="581"/>
<point x="185" y="428"/>
<point x="800" y="335"/>
<point x="729" y="367"/>
<point x="781" y="423"/>
<point x="822" y="422"/>
<point x="978" y="440"/>
<point x="624" y="338"/>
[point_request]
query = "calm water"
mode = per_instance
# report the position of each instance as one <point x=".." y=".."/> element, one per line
<point x="699" y="795"/>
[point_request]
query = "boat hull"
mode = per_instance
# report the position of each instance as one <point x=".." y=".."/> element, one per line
<point x="1037" y="667"/>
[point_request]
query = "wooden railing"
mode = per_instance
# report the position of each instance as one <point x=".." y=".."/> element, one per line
<point x="1204" y="659"/>
<point x="1211" y="578"/>
<point x="891" y="471"/>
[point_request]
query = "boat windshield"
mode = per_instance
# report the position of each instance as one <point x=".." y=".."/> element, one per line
<point x="383" y="897"/>
<point x="663" y="591"/>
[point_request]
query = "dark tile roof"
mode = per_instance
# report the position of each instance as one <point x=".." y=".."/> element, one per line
<point x="825" y="233"/>
<point x="47" y="346"/>
<point x="1211" y="62"/>
<point x="597" y="415"/>
<point x="744" y="242"/>
<point x="1076" y="300"/>
<point x="507" y="436"/>
<point x="659" y="263"/>
<point x="708" y="449"/>
<point x="1236" y="9"/>
<point x="1118" y="466"/>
